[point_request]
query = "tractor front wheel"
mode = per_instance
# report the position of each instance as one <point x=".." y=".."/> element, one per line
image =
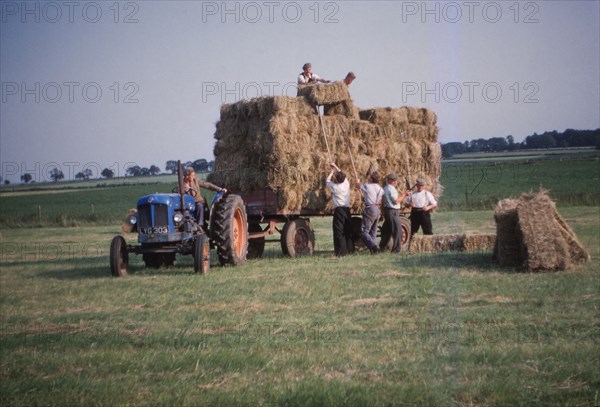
<point x="119" y="257"/>
<point x="201" y="254"/>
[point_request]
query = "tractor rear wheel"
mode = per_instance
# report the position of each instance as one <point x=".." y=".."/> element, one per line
<point x="201" y="254"/>
<point x="297" y="238"/>
<point x="405" y="232"/>
<point x="119" y="257"/>
<point x="229" y="230"/>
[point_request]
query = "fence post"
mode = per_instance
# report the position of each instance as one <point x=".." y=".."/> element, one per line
<point x="92" y="209"/>
<point x="39" y="208"/>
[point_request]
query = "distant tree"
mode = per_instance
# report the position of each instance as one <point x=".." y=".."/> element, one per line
<point x="56" y="174"/>
<point x="107" y="173"/>
<point x="26" y="177"/>
<point x="449" y="149"/>
<point x="171" y="166"/>
<point x="211" y="165"/>
<point x="200" y="165"/>
<point x="154" y="170"/>
<point x="133" y="171"/>
<point x="6" y="182"/>
<point x="85" y="174"/>
<point x="145" y="171"/>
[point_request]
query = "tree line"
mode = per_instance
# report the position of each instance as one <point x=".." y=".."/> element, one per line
<point x="55" y="174"/>
<point x="548" y="139"/>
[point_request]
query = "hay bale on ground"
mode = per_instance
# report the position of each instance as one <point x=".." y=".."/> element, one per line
<point x="451" y="243"/>
<point x="507" y="249"/>
<point x="531" y="233"/>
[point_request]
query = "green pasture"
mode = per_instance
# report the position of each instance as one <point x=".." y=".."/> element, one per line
<point x="446" y="329"/>
<point x="468" y="185"/>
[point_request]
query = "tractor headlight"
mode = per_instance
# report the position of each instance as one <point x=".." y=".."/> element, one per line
<point x="132" y="220"/>
<point x="178" y="217"/>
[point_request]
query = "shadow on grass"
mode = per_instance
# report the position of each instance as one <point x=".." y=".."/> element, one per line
<point x="473" y="261"/>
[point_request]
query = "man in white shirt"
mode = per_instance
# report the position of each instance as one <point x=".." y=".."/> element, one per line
<point x="392" y="204"/>
<point x="308" y="78"/>
<point x="342" y="221"/>
<point x="421" y="202"/>
<point x="372" y="195"/>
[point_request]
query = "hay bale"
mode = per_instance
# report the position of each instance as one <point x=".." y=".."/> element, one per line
<point x="530" y="233"/>
<point x="278" y="143"/>
<point x="507" y="249"/>
<point x="325" y="93"/>
<point x="451" y="243"/>
<point x="544" y="248"/>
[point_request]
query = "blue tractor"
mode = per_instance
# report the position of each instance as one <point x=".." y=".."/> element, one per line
<point x="166" y="227"/>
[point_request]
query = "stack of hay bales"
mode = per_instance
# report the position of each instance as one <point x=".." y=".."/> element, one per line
<point x="448" y="243"/>
<point x="278" y="143"/>
<point x="530" y="233"/>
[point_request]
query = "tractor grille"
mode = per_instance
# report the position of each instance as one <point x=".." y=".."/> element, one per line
<point x="153" y="215"/>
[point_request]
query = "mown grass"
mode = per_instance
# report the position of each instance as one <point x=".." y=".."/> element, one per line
<point x="449" y="329"/>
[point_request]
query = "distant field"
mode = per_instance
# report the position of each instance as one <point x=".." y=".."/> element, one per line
<point x="468" y="185"/>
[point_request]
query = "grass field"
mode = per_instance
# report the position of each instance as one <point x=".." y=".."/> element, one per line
<point x="445" y="329"/>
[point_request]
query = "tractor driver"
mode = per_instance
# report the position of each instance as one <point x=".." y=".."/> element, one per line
<point x="192" y="185"/>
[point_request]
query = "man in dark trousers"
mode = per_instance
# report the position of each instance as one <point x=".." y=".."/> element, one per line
<point x="339" y="186"/>
<point x="421" y="202"/>
<point x="392" y="203"/>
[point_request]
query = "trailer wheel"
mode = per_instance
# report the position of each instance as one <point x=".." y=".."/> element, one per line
<point x="357" y="242"/>
<point x="229" y="230"/>
<point x="256" y="247"/>
<point x="405" y="232"/>
<point x="119" y="257"/>
<point x="297" y="238"/>
<point x="201" y="254"/>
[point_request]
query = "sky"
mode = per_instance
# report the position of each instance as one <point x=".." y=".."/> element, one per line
<point x="107" y="84"/>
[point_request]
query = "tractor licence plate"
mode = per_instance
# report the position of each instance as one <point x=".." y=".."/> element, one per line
<point x="150" y="230"/>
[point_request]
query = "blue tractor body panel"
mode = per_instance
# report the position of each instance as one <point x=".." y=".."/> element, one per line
<point x="155" y="218"/>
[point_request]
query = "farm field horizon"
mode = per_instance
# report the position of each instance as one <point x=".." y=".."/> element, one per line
<point x="422" y="329"/>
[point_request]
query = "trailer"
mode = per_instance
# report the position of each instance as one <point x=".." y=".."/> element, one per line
<point x="296" y="234"/>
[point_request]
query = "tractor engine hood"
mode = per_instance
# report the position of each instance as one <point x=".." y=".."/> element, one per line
<point x="171" y="200"/>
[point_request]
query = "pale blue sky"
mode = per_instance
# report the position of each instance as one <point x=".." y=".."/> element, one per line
<point x="180" y="60"/>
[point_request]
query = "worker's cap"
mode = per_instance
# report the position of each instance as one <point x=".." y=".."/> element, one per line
<point x="306" y="66"/>
<point x="392" y="176"/>
<point x="421" y="182"/>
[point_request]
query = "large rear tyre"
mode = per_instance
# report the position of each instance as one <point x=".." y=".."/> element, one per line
<point x="201" y="254"/>
<point x="119" y="257"/>
<point x="256" y="247"/>
<point x="298" y="238"/>
<point x="229" y="230"/>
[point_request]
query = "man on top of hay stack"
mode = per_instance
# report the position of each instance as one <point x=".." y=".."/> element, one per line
<point x="349" y="78"/>
<point x="307" y="78"/>
<point x="339" y="186"/>
<point x="421" y="202"/>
